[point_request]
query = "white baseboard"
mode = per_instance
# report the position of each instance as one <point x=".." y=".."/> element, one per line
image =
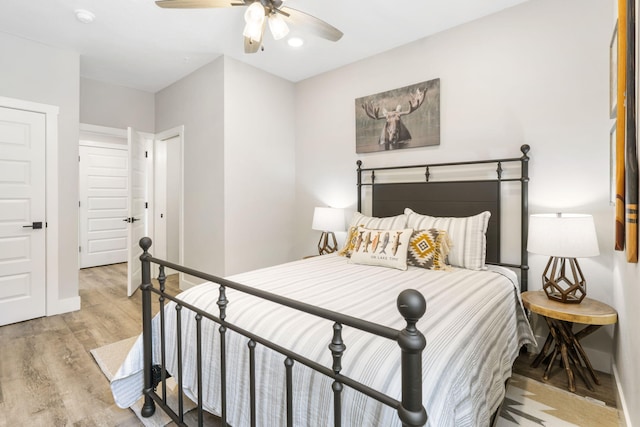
<point x="64" y="305"/>
<point x="185" y="283"/>
<point x="622" y="403"/>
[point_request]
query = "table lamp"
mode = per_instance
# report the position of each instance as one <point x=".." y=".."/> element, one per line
<point x="328" y="220"/>
<point x="564" y="237"/>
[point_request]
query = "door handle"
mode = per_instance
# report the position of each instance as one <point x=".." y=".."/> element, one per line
<point x="127" y="220"/>
<point x="34" y="225"/>
<point x="134" y="219"/>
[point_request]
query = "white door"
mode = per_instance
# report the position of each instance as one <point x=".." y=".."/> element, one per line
<point x="104" y="176"/>
<point x="22" y="215"/>
<point x="137" y="207"/>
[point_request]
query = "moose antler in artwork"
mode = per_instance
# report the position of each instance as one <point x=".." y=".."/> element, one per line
<point x="394" y="131"/>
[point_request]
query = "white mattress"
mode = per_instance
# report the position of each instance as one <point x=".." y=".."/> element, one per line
<point x="474" y="326"/>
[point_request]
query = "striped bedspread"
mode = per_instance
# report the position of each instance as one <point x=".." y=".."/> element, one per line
<point x="474" y="326"/>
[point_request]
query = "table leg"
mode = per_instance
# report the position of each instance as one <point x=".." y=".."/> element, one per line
<point x="558" y="347"/>
<point x="554" y="354"/>
<point x="557" y="334"/>
<point x="573" y="357"/>
<point x="576" y="342"/>
<point x="540" y="357"/>
<point x="565" y="331"/>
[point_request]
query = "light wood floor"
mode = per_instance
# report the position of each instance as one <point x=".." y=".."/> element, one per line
<point x="48" y="377"/>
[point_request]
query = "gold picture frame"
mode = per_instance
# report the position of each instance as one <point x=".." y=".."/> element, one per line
<point x="613" y="73"/>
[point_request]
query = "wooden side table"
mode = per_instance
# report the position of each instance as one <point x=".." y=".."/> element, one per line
<point x="562" y="341"/>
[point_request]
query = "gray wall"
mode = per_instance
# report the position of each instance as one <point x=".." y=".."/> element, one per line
<point x="114" y="106"/>
<point x="38" y="73"/>
<point x="197" y="102"/>
<point x="533" y="74"/>
<point x="259" y="164"/>
<point x="240" y="171"/>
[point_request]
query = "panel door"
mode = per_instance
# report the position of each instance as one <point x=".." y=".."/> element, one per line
<point x="22" y="215"/>
<point x="103" y="205"/>
<point x="137" y="207"/>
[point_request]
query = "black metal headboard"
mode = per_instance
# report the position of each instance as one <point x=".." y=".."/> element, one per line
<point x="457" y="197"/>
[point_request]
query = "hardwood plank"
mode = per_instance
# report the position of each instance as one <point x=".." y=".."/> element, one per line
<point x="49" y="378"/>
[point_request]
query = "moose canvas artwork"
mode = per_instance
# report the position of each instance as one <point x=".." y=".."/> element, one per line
<point x="407" y="117"/>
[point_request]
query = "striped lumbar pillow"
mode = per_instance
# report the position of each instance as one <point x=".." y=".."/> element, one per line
<point x="468" y="236"/>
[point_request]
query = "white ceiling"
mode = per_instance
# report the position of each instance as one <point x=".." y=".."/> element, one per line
<point x="136" y="44"/>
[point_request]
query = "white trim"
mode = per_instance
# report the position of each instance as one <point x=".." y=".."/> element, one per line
<point x="109" y="145"/>
<point x="178" y="131"/>
<point x="187" y="284"/>
<point x="624" y="408"/>
<point x="54" y="305"/>
<point x="103" y="130"/>
<point x="65" y="305"/>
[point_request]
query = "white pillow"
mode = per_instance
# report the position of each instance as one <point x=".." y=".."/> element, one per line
<point x="468" y="236"/>
<point x="385" y="248"/>
<point x="387" y="223"/>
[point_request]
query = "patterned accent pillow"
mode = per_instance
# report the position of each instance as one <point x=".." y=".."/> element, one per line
<point x="349" y="243"/>
<point x="385" y="248"/>
<point x="468" y="236"/>
<point x="359" y="220"/>
<point x="429" y="249"/>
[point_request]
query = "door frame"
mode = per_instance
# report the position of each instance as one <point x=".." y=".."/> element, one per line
<point x="176" y="132"/>
<point x="54" y="304"/>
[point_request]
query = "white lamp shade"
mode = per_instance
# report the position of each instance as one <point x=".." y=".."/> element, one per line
<point x="563" y="235"/>
<point x="253" y="31"/>
<point x="328" y="219"/>
<point x="278" y="27"/>
<point x="254" y="13"/>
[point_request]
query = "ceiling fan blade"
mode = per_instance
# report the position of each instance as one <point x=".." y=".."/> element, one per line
<point x="312" y="24"/>
<point x="195" y="4"/>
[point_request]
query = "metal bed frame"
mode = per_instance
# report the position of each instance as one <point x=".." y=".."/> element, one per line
<point x="410" y="303"/>
<point x="455" y="198"/>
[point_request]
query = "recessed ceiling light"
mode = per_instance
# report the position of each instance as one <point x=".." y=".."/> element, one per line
<point x="295" y="42"/>
<point x="84" y="16"/>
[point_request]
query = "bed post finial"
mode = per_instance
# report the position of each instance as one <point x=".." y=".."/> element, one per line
<point x="525" y="149"/>
<point x="412" y="306"/>
<point x="149" y="406"/>
<point x="145" y="244"/>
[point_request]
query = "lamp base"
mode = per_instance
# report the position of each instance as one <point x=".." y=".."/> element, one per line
<point x="561" y="288"/>
<point x="324" y="247"/>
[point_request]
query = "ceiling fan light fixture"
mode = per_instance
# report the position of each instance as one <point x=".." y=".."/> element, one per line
<point x="278" y="27"/>
<point x="253" y="31"/>
<point x="254" y="13"/>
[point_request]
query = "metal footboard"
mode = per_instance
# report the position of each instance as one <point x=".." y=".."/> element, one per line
<point x="411" y="342"/>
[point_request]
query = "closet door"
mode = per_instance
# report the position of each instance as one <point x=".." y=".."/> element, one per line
<point x="103" y="205"/>
<point x="22" y="215"/>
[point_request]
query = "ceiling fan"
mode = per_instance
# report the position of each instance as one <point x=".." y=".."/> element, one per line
<point x="258" y="13"/>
